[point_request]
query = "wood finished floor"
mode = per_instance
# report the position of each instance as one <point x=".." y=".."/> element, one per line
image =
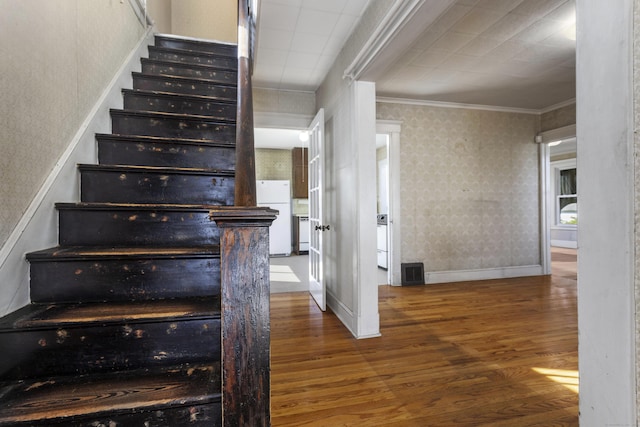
<point x="492" y="353"/>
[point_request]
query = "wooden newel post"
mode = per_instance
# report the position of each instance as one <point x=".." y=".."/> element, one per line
<point x="244" y="265"/>
<point x="245" y="190"/>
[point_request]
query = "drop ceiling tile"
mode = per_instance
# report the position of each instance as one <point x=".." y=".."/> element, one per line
<point x="538" y="31"/>
<point x="507" y="50"/>
<point x="477" y="21"/>
<point x="272" y="57"/>
<point x="538" y="8"/>
<point x="426" y="40"/>
<point x="316" y="22"/>
<point x="301" y="60"/>
<point x="280" y="17"/>
<point x="499" y="5"/>
<point x="450" y="18"/>
<point x="411" y="73"/>
<point x="431" y="58"/>
<point x="563" y="13"/>
<point x="274" y="39"/>
<point x="452" y="41"/>
<point x="333" y="6"/>
<point x="480" y="46"/>
<point x="441" y="75"/>
<point x="309" y="43"/>
<point x="507" y="27"/>
<point x="354" y="7"/>
<point x="457" y="62"/>
<point x="269" y="3"/>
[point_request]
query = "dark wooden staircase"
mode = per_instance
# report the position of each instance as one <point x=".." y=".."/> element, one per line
<point x="124" y="328"/>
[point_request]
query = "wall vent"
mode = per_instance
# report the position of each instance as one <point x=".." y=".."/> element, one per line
<point x="412" y="273"/>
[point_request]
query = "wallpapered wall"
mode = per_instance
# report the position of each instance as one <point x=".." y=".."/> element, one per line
<point x="57" y="58"/>
<point x="469" y="181"/>
<point x="273" y="164"/>
<point x="558" y="118"/>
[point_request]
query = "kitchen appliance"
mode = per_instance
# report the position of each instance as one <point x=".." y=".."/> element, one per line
<point x="301" y="234"/>
<point x="383" y="249"/>
<point x="276" y="194"/>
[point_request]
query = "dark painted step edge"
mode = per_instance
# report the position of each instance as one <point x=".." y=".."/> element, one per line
<point x="39" y="384"/>
<point x="190" y="52"/>
<point x="136" y="207"/>
<point x="115" y="137"/>
<point x="191" y="66"/>
<point x="17" y="321"/>
<point x="173" y="95"/>
<point x="172" y="116"/>
<point x="195" y="40"/>
<point x="75" y="253"/>
<point x="186" y="80"/>
<point x="155" y="169"/>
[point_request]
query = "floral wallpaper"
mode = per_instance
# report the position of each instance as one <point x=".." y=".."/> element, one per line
<point x="558" y="118"/>
<point x="273" y="164"/>
<point x="469" y="187"/>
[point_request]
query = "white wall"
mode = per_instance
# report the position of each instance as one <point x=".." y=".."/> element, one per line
<point x="206" y="19"/>
<point x="350" y="199"/>
<point x="608" y="237"/>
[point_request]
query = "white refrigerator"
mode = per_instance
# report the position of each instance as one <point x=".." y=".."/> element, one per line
<point x="277" y="195"/>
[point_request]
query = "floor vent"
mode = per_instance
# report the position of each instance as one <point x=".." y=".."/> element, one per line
<point x="412" y="273"/>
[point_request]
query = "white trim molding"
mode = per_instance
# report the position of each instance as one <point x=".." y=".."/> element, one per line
<point x="558" y="134"/>
<point x="482" y="274"/>
<point x="427" y="103"/>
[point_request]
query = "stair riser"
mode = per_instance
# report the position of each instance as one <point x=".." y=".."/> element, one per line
<point x="193" y="58"/>
<point x="216" y="48"/>
<point x="134" y="228"/>
<point x="167" y="104"/>
<point x="205" y="415"/>
<point x="106" y="348"/>
<point x="158" y="154"/>
<point x="136" y="187"/>
<point x="122" y="280"/>
<point x="223" y="71"/>
<point x="213" y="89"/>
<point x="124" y="124"/>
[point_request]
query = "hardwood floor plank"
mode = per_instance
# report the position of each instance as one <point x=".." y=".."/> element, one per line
<point x="491" y="353"/>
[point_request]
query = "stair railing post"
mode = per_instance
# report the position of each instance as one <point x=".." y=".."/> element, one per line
<point x="245" y="322"/>
<point x="245" y="184"/>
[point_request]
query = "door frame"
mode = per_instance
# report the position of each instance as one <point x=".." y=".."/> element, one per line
<point x="392" y="129"/>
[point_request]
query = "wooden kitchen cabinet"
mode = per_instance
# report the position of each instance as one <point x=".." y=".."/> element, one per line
<point x="300" y="163"/>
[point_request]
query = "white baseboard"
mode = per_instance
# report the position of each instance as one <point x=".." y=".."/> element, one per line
<point x="342" y="312"/>
<point x="482" y="274"/>
<point x="38" y="227"/>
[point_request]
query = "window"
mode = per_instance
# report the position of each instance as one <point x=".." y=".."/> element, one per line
<point x="566" y="196"/>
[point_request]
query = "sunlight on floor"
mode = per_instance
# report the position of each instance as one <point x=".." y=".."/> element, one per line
<point x="569" y="379"/>
<point x="283" y="273"/>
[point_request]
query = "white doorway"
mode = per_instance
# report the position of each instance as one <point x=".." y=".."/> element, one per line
<point x="388" y="200"/>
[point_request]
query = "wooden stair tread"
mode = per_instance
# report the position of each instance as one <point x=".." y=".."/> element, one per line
<point x="180" y="95"/>
<point x="46" y="316"/>
<point x="91" y="395"/>
<point x="161" y="115"/>
<point x="155" y="169"/>
<point x="195" y="40"/>
<point x="162" y="140"/>
<point x="86" y="252"/>
<point x="200" y="53"/>
<point x="168" y="62"/>
<point x="136" y="206"/>
<point x="183" y="79"/>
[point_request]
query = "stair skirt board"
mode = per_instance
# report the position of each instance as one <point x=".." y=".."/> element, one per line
<point x="125" y="325"/>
